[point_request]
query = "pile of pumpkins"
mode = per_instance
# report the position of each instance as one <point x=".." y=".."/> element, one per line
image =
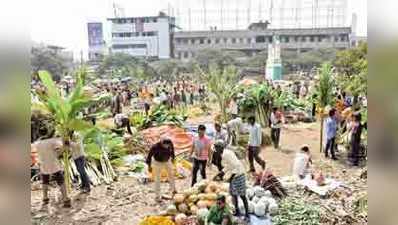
<point x="196" y="201"/>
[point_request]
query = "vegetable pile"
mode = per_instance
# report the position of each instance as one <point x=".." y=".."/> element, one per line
<point x="197" y="200"/>
<point x="157" y="116"/>
<point x="261" y="202"/>
<point x="156" y="220"/>
<point x="296" y="211"/>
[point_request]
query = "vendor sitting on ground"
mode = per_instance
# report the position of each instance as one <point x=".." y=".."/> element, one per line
<point x="219" y="213"/>
<point x="302" y="162"/>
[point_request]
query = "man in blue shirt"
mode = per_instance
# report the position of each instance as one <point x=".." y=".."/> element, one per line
<point x="331" y="130"/>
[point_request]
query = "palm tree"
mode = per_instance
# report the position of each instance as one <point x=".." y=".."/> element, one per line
<point x="65" y="111"/>
<point x="324" y="91"/>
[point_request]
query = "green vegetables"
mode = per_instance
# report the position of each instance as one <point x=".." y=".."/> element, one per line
<point x="296" y="211"/>
<point x="158" y="115"/>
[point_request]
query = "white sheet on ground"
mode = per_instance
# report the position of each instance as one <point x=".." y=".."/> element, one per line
<point x="330" y="185"/>
<point x="254" y="220"/>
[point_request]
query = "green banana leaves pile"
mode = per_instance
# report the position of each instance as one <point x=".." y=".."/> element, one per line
<point x="157" y="116"/>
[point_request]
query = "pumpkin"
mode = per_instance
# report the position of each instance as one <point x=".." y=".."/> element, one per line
<point x="208" y="189"/>
<point x="180" y="219"/>
<point x="171" y="209"/>
<point x="183" y="208"/>
<point x="179" y="198"/>
<point x="250" y="193"/>
<point x="259" y="209"/>
<point x="193" y="209"/>
<point x="210" y="203"/>
<point x="202" y="196"/>
<point x="202" y="204"/>
<point x="259" y="191"/>
<point x="273" y="208"/>
<point x="202" y="214"/>
<point x="251" y="207"/>
<point x="193" y="198"/>
<point x="212" y="187"/>
<point x="211" y="196"/>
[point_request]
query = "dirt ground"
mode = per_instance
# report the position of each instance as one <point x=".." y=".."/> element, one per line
<point x="127" y="201"/>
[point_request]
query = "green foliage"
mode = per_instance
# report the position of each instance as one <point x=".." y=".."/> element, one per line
<point x="65" y="110"/>
<point x="324" y="88"/>
<point x="44" y="58"/>
<point x="253" y="99"/>
<point x="296" y="211"/>
<point x="350" y="62"/>
<point x="96" y="141"/>
<point x="124" y="65"/>
<point x="222" y="83"/>
<point x="158" y="115"/>
<point x="208" y="58"/>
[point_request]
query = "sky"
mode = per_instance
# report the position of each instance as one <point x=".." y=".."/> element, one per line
<point x="64" y="22"/>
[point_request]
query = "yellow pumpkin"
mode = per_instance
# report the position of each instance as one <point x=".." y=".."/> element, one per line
<point x="202" y="204"/>
<point x="211" y="196"/>
<point x="179" y="198"/>
<point x="182" y="208"/>
<point x="202" y="196"/>
<point x="180" y="219"/>
<point x="194" y="209"/>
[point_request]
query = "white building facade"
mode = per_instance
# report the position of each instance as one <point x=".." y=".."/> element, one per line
<point x="142" y="36"/>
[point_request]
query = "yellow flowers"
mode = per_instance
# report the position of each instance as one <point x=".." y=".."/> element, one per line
<point x="156" y="220"/>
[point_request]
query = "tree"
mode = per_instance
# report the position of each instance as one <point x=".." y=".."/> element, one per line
<point x="349" y="62"/>
<point x="218" y="58"/>
<point x="352" y="64"/>
<point x="169" y="69"/>
<point x="43" y="58"/>
<point x="324" y="91"/>
<point x="125" y="65"/>
<point x="222" y="83"/>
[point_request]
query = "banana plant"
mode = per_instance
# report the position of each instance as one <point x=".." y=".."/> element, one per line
<point x="222" y="83"/>
<point x="65" y="111"/>
<point x="324" y="91"/>
<point x="256" y="98"/>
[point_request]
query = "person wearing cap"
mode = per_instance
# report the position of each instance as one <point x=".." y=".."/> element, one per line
<point x="163" y="155"/>
<point x="234" y="171"/>
<point x="219" y="214"/>
<point x="220" y="133"/>
<point x="217" y="158"/>
<point x="302" y="163"/>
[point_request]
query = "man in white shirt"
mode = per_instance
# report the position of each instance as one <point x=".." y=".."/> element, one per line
<point x="234" y="128"/>
<point x="302" y="161"/>
<point x="48" y="152"/>
<point x="234" y="171"/>
<point x="255" y="138"/>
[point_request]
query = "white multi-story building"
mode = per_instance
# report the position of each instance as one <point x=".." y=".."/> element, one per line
<point x="143" y="36"/>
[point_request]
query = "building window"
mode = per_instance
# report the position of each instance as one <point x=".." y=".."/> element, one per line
<point x="233" y="40"/>
<point x="208" y="41"/>
<point x="225" y="40"/>
<point x="127" y="46"/>
<point x="155" y="20"/>
<point x="336" y="39"/>
<point x="343" y="38"/>
<point x="185" y="41"/>
<point x="303" y="39"/>
<point x="260" y="39"/>
<point x="296" y="39"/>
<point x="241" y="40"/>
<point x="186" y="55"/>
<point x="312" y="38"/>
<point x="201" y="41"/>
<point x="287" y="39"/>
<point x="217" y="40"/>
<point x="270" y="39"/>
